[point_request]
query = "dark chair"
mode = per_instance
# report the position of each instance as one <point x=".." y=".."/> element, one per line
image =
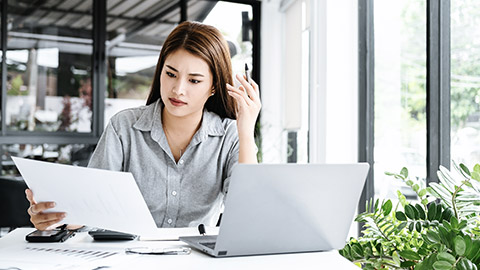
<point x="13" y="204"/>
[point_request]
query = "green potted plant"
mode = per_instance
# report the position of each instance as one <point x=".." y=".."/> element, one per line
<point x="441" y="231"/>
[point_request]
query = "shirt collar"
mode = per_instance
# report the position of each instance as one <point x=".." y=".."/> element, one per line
<point x="151" y="120"/>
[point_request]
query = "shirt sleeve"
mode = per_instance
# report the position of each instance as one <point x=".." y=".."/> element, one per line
<point x="232" y="160"/>
<point x="108" y="154"/>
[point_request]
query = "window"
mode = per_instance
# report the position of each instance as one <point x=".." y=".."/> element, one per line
<point x="49" y="79"/>
<point x="400" y="93"/>
<point x="465" y="82"/>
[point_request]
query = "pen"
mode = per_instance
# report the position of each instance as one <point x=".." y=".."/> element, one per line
<point x="247" y="74"/>
<point x="158" y="251"/>
<point x="201" y="229"/>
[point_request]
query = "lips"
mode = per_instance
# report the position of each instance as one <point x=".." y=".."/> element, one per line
<point x="177" y="102"/>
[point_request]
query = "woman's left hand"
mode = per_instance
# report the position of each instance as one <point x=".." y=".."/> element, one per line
<point x="247" y="99"/>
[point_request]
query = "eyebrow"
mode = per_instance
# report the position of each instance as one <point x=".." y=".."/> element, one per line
<point x="191" y="74"/>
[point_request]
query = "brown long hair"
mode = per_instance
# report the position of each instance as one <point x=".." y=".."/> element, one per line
<point x="207" y="43"/>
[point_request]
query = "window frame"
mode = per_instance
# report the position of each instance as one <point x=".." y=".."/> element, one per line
<point x="437" y="88"/>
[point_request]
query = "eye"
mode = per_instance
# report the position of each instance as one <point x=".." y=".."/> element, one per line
<point x="194" y="81"/>
<point x="169" y="74"/>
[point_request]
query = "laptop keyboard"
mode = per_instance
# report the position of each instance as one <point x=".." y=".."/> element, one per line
<point x="210" y="245"/>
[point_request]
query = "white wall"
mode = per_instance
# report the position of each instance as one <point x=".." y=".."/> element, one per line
<point x="333" y="80"/>
<point x="272" y="91"/>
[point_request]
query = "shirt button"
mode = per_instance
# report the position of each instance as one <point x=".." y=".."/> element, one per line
<point x="181" y="162"/>
<point x="169" y="221"/>
<point x="174" y="193"/>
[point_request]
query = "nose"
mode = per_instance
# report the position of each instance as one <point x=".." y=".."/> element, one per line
<point x="179" y="88"/>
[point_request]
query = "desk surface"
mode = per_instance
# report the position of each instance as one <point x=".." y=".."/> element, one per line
<point x="16" y="252"/>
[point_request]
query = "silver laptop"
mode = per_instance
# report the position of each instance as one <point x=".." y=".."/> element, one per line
<point x="284" y="208"/>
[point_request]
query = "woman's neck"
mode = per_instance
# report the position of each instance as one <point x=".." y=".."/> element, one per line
<point x="186" y="125"/>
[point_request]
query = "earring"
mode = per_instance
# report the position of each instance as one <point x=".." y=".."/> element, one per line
<point x="213" y="93"/>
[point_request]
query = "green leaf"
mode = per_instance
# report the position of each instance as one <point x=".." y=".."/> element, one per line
<point x="407" y="264"/>
<point x="357" y="251"/>
<point x="465" y="264"/>
<point x="442" y="265"/>
<point x="439" y="212"/>
<point x="422" y="192"/>
<point x="411" y="226"/>
<point x="421" y="212"/>
<point x="473" y="250"/>
<point x="476" y="175"/>
<point x="418" y="226"/>
<point x="387" y="207"/>
<point x="459" y="169"/>
<point x="476" y="168"/>
<point x="432" y="211"/>
<point x="465" y="169"/>
<point x="459" y="244"/>
<point x="401" y="226"/>
<point x="444" y="256"/>
<point x="404" y="172"/>
<point x="445" y="236"/>
<point x="433" y="192"/>
<point x="447" y="225"/>
<point x="409" y="255"/>
<point x="427" y="263"/>
<point x="468" y="244"/>
<point x="410" y="211"/>
<point x="433" y="236"/>
<point x="454" y="222"/>
<point x="409" y="183"/>
<point x="416" y="187"/>
<point x="396" y="259"/>
<point x="447" y="214"/>
<point x="400" y="216"/>
<point x="425" y="201"/>
<point x="462" y="224"/>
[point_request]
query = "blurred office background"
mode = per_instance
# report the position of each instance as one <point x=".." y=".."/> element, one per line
<point x="392" y="83"/>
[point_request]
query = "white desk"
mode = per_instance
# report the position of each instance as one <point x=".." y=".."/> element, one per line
<point x="14" y="249"/>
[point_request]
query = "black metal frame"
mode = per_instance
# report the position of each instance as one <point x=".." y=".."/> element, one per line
<point x="438" y="90"/>
<point x="3" y="41"/>
<point x="366" y="96"/>
<point x="99" y="61"/>
<point x="438" y="87"/>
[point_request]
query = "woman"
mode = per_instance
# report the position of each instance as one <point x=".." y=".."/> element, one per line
<point x="180" y="147"/>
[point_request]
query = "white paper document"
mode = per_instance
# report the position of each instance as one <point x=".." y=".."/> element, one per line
<point x="93" y="197"/>
<point x="59" y="257"/>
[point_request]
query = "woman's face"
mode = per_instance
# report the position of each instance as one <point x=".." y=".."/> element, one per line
<point x="185" y="83"/>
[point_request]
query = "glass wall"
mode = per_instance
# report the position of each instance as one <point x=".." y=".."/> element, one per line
<point x="465" y="82"/>
<point x="400" y="93"/>
<point x="132" y="55"/>
<point x="49" y="60"/>
<point x="76" y="154"/>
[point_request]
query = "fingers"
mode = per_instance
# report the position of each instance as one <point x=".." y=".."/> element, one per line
<point x="29" y="195"/>
<point x="39" y="207"/>
<point x="238" y="95"/>
<point x="47" y="225"/>
<point x="248" y="87"/>
<point x="44" y="220"/>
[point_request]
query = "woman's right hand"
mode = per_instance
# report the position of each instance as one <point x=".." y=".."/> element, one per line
<point x="43" y="221"/>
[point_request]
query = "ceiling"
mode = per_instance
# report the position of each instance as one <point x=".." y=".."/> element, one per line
<point x="133" y="26"/>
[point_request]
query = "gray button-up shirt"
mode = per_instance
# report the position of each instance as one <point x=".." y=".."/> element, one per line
<point x="180" y="194"/>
